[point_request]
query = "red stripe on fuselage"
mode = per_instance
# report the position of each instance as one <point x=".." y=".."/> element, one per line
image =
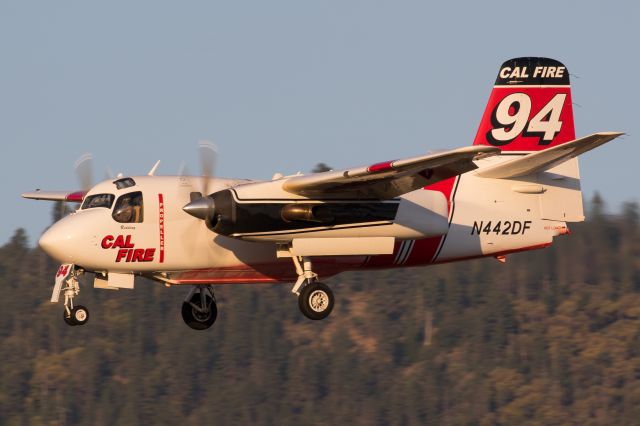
<point x="275" y="272"/>
<point x="424" y="250"/>
<point x="161" y="225"/>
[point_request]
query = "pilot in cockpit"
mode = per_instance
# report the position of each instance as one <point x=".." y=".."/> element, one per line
<point x="129" y="208"/>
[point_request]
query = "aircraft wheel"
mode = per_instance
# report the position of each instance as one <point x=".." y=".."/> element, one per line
<point x="195" y="316"/>
<point x="68" y="320"/>
<point x="79" y="315"/>
<point x="316" y="301"/>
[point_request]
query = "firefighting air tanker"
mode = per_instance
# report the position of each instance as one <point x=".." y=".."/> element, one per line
<point x="514" y="189"/>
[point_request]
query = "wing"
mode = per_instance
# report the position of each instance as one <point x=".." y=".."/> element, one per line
<point x="543" y="160"/>
<point x="74" y="197"/>
<point x="391" y="178"/>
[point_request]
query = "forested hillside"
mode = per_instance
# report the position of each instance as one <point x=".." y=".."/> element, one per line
<point x="550" y="337"/>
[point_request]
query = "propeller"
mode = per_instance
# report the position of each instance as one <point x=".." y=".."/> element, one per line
<point x="84" y="171"/>
<point x="183" y="170"/>
<point x="108" y="173"/>
<point x="204" y="207"/>
<point x="208" y="154"/>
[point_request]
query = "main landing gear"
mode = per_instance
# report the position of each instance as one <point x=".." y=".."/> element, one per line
<point x="199" y="310"/>
<point x="315" y="299"/>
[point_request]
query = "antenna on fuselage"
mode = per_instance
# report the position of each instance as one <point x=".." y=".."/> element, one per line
<point x="154" y="168"/>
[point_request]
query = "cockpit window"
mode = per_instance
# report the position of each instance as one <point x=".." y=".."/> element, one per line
<point x="129" y="208"/>
<point x="124" y="183"/>
<point x="98" y="200"/>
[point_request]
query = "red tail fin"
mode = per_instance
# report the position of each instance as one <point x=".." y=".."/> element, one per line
<point x="529" y="108"/>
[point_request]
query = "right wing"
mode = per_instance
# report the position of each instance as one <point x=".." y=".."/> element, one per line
<point x="73" y="197"/>
<point x="391" y="178"/>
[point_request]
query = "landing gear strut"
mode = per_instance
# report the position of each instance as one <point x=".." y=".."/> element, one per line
<point x="199" y="310"/>
<point x="315" y="299"/>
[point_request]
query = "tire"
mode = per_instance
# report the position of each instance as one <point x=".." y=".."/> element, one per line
<point x="68" y="320"/>
<point x="316" y="301"/>
<point x="80" y="315"/>
<point x="303" y="307"/>
<point x="198" y="320"/>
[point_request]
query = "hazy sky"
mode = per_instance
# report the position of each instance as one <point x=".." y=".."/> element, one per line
<point x="283" y="85"/>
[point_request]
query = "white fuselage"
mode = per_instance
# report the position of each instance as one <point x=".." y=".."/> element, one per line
<point x="468" y="216"/>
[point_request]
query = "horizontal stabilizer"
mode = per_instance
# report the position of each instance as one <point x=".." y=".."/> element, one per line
<point x="73" y="197"/>
<point x="543" y="160"/>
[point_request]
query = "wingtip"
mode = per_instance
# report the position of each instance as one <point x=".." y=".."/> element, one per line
<point x="30" y="194"/>
<point x="613" y="134"/>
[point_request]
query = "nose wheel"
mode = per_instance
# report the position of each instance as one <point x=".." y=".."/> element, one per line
<point x="79" y="315"/>
<point x="199" y="310"/>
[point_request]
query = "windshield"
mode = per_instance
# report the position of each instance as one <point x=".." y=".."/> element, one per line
<point x="129" y="208"/>
<point x="98" y="200"/>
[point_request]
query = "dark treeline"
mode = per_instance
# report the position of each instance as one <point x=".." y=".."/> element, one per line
<point x="551" y="337"/>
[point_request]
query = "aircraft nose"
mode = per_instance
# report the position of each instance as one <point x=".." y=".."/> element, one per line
<point x="57" y="242"/>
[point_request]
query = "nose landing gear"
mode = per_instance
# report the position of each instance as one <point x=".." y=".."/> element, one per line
<point x="67" y="284"/>
<point x="199" y="310"/>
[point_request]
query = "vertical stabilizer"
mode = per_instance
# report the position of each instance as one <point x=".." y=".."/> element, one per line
<point x="529" y="108"/>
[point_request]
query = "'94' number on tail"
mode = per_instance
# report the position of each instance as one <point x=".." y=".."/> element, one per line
<point x="510" y="118"/>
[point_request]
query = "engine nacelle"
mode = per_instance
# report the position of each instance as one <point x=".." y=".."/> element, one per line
<point x="234" y="213"/>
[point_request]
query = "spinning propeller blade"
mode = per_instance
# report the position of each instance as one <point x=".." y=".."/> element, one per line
<point x="84" y="171"/>
<point x="208" y="154"/>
